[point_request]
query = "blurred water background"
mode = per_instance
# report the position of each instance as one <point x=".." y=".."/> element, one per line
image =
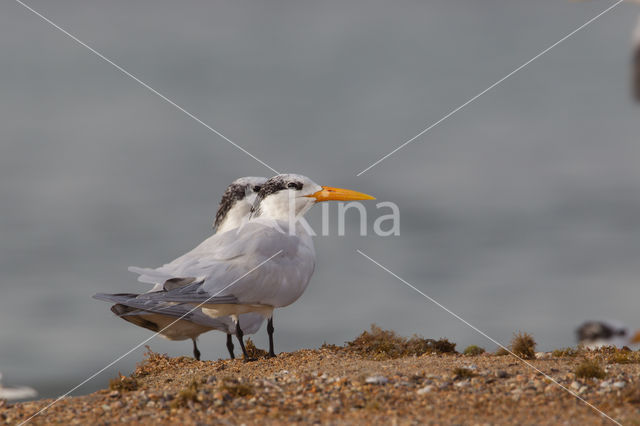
<point x="521" y="212"/>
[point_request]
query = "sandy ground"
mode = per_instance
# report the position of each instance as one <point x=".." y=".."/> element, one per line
<point x="340" y="386"/>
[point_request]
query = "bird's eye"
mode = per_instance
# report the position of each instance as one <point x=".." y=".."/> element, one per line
<point x="292" y="185"/>
<point x="256" y="188"/>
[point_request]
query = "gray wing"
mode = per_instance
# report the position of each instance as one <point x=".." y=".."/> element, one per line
<point x="189" y="293"/>
<point x="131" y="306"/>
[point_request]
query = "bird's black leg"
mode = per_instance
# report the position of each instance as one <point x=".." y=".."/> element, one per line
<point x="272" y="354"/>
<point x="196" y="352"/>
<point x="230" y="346"/>
<point x="239" y="335"/>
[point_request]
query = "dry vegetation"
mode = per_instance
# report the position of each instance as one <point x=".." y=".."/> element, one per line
<point x="123" y="383"/>
<point x="589" y="369"/>
<point x="378" y="344"/>
<point x="523" y="345"/>
<point x="473" y="350"/>
<point x="565" y="352"/>
<point x="253" y="351"/>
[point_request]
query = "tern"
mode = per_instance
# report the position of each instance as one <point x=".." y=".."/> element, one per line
<point x="264" y="264"/>
<point x="21" y="392"/>
<point x="160" y="317"/>
<point x="598" y="334"/>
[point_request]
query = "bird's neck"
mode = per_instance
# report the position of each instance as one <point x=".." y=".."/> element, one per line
<point x="238" y="214"/>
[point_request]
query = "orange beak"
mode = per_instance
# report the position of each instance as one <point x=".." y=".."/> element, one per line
<point x="636" y="338"/>
<point x="328" y="193"/>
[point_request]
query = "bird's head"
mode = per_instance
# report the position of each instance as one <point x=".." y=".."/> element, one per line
<point x="284" y="194"/>
<point x="237" y="201"/>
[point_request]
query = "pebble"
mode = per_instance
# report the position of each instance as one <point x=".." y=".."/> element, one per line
<point x="576" y="385"/>
<point x="462" y="384"/>
<point x="377" y="380"/>
<point x="425" y="389"/>
<point x="605" y="384"/>
<point x="333" y="408"/>
<point x="619" y="385"/>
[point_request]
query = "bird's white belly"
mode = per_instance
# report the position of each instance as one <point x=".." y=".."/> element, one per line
<point x="226" y="309"/>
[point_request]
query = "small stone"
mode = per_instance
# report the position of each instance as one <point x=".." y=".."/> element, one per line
<point x="425" y="390"/>
<point x="605" y="384"/>
<point x="377" y="380"/>
<point x="333" y="408"/>
<point x="619" y="385"/>
<point x="105" y="407"/>
<point x="462" y="384"/>
<point x="583" y="389"/>
<point x="502" y="374"/>
<point x="576" y="385"/>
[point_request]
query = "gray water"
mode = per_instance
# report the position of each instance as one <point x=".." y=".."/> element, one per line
<point x="520" y="212"/>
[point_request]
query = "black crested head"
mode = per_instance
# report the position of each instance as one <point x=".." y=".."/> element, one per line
<point x="234" y="193"/>
<point x="239" y="190"/>
<point x="275" y="184"/>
